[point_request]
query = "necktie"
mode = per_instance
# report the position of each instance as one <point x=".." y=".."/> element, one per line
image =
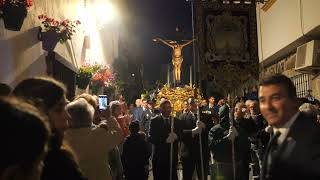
<point x="166" y="121"/>
<point x="269" y="156"/>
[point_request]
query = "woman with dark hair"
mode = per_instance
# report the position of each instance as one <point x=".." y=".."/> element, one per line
<point x="22" y="126"/>
<point x="50" y="96"/>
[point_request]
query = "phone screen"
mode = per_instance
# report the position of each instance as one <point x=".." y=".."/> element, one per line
<point x="103" y="102"/>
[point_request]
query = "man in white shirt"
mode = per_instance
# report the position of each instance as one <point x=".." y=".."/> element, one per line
<point x="295" y="152"/>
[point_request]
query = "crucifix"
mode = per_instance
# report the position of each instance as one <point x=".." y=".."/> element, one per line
<point x="177" y="58"/>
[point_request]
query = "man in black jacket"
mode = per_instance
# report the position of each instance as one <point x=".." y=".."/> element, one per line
<point x="135" y="154"/>
<point x="161" y="137"/>
<point x="294" y="150"/>
<point x="190" y="152"/>
<point x="148" y="113"/>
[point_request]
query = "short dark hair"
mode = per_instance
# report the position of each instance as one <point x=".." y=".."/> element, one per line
<point x="282" y="80"/>
<point x="134" y="127"/>
<point x="22" y="125"/>
<point x="151" y="101"/>
<point x="164" y="102"/>
<point x="43" y="90"/>
<point x="191" y="100"/>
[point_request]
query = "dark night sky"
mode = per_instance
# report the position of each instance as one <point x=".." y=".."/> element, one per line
<point x="159" y="18"/>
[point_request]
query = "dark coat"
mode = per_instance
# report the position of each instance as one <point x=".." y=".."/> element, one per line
<point x="213" y="112"/>
<point x="221" y="146"/>
<point x="60" y="164"/>
<point x="137" y="113"/>
<point x="146" y="117"/>
<point x="298" y="156"/>
<point x="135" y="157"/>
<point x="159" y="132"/>
<point x="224" y="114"/>
<point x="191" y="144"/>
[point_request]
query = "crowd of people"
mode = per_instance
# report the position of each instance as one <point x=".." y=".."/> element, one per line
<point x="45" y="136"/>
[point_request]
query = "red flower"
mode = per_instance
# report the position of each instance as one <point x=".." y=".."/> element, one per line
<point x="103" y="77"/>
<point x="65" y="27"/>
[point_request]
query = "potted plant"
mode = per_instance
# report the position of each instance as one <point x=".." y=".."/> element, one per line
<point x="101" y="79"/>
<point x="14" y="12"/>
<point x="85" y="73"/>
<point x="54" y="31"/>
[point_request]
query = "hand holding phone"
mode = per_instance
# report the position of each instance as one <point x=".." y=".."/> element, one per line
<point x="103" y="102"/>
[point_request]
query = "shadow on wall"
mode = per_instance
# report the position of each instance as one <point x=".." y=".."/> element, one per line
<point x="18" y="53"/>
<point x="37" y="68"/>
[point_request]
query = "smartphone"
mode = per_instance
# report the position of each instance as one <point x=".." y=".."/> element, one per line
<point x="103" y="102"/>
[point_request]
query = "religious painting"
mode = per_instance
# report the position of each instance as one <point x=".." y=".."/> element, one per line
<point x="226" y="38"/>
<point x="227" y="43"/>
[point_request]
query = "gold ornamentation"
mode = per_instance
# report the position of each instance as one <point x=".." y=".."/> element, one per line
<point x="178" y="96"/>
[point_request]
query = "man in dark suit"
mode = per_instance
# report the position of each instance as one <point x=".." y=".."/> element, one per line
<point x="294" y="150"/>
<point x="223" y="111"/>
<point x="137" y="111"/>
<point x="212" y="110"/>
<point x="148" y="113"/>
<point x="190" y="151"/>
<point x="221" y="139"/>
<point x="161" y="137"/>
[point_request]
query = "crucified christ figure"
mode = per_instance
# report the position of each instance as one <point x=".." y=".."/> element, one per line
<point x="177" y="58"/>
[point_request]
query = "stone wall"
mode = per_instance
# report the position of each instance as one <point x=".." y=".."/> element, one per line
<point x="286" y="67"/>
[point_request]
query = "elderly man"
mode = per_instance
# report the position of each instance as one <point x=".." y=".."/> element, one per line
<point x="294" y="150"/>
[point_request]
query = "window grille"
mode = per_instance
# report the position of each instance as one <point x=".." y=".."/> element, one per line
<point x="302" y="83"/>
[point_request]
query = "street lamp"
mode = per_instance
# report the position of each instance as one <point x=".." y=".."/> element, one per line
<point x="94" y="15"/>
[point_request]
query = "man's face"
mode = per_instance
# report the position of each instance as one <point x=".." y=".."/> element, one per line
<point x="166" y="109"/>
<point x="193" y="107"/>
<point x="144" y="104"/>
<point x="275" y="104"/>
<point x="211" y="100"/>
<point x="151" y="105"/>
<point x="239" y="111"/>
<point x="204" y="103"/>
<point x="253" y="108"/>
<point x="59" y="117"/>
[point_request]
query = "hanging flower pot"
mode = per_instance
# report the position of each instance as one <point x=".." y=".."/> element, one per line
<point x="83" y="81"/>
<point x="55" y="31"/>
<point x="49" y="40"/>
<point x="13" y="16"/>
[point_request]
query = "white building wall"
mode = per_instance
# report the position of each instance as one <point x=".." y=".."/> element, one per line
<point x="282" y="24"/>
<point x="21" y="53"/>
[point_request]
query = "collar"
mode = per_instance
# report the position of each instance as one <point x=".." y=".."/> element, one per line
<point x="284" y="130"/>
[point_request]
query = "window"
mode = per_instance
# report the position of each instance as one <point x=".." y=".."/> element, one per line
<point x="302" y="83"/>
